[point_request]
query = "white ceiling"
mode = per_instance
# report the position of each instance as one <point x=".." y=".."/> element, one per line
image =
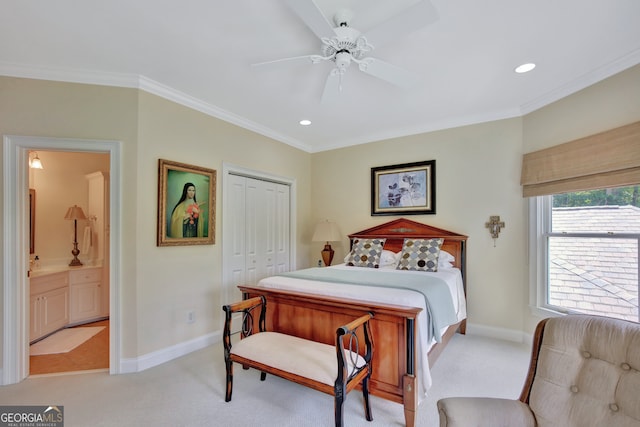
<point x="199" y="53"/>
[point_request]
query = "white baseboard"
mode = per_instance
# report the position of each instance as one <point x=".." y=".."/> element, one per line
<point x="159" y="357"/>
<point x="499" y="333"/>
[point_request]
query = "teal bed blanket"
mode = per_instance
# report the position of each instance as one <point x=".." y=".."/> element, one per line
<point x="440" y="309"/>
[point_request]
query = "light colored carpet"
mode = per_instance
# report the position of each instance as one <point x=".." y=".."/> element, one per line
<point x="64" y="340"/>
<point x="189" y="391"/>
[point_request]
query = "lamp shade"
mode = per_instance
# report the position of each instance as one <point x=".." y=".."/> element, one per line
<point x="35" y="162"/>
<point x="326" y="232"/>
<point x="75" y="212"/>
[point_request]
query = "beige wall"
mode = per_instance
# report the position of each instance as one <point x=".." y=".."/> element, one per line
<point x="171" y="280"/>
<point x="605" y="105"/>
<point x="157" y="283"/>
<point x="477" y="175"/>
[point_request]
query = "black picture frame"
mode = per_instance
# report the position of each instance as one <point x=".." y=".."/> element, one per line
<point x="404" y="189"/>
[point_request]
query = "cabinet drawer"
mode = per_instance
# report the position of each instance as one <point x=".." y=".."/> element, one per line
<point x="85" y="275"/>
<point x="48" y="282"/>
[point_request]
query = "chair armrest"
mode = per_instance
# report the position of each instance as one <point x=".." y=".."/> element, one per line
<point x="347" y="334"/>
<point x="245" y="307"/>
<point x="484" y="412"/>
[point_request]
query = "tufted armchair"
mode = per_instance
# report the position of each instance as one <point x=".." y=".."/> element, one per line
<point x="584" y="371"/>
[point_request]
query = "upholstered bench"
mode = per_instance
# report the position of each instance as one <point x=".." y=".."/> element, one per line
<point x="332" y="369"/>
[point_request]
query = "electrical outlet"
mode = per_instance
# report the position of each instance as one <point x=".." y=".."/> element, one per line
<point x="191" y="316"/>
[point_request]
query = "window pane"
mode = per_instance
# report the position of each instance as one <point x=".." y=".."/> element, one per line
<point x="597" y="211"/>
<point x="594" y="276"/>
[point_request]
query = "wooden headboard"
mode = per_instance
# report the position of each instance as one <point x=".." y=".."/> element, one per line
<point x="397" y="230"/>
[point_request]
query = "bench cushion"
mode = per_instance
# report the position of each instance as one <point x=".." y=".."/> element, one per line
<point x="295" y="355"/>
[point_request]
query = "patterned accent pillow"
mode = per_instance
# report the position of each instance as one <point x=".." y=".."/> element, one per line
<point x="420" y="255"/>
<point x="366" y="253"/>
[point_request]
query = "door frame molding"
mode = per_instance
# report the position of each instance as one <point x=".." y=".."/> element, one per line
<point x="231" y="169"/>
<point x="15" y="331"/>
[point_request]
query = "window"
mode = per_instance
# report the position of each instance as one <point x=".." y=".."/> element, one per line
<point x="585" y="248"/>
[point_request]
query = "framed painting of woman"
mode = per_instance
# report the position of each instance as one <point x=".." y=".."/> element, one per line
<point x="186" y="204"/>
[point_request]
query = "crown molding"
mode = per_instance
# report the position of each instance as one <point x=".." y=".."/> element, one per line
<point x="582" y="82"/>
<point x="166" y="92"/>
<point x="145" y="84"/>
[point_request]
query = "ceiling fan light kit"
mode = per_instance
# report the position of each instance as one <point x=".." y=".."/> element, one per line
<point x="343" y="44"/>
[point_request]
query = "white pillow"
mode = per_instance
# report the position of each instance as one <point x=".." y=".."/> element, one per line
<point x="387" y="258"/>
<point x="445" y="260"/>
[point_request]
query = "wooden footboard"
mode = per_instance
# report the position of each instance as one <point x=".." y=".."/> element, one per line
<point x="393" y="329"/>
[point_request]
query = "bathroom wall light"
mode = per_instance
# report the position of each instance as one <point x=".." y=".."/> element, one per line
<point x="34" y="160"/>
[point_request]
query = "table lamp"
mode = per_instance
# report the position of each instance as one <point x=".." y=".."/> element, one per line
<point x="326" y="232"/>
<point x="75" y="213"/>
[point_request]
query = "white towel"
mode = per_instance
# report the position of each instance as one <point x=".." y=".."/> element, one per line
<point x="86" y="241"/>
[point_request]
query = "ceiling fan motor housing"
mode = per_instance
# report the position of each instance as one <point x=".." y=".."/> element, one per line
<point x="347" y="42"/>
<point x="343" y="60"/>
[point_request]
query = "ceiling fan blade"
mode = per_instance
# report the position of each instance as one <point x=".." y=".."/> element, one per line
<point x="413" y="18"/>
<point x="308" y="11"/>
<point x="311" y="59"/>
<point x="332" y="87"/>
<point x="388" y="72"/>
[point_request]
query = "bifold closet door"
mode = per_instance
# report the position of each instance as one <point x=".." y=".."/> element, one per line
<point x="260" y="230"/>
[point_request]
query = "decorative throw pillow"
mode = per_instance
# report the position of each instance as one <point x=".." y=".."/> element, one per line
<point x="365" y="253"/>
<point x="420" y="254"/>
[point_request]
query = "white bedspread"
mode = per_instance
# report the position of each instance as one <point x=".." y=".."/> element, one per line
<point x="451" y="276"/>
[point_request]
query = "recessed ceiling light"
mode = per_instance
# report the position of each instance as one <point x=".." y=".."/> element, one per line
<point x="305" y="122"/>
<point x="524" y="68"/>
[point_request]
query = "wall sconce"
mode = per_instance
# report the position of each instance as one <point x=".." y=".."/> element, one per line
<point x="495" y="226"/>
<point x="34" y="160"/>
<point x="326" y="232"/>
<point x="75" y="213"/>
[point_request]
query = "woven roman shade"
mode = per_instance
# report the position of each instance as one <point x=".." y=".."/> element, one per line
<point x="604" y="160"/>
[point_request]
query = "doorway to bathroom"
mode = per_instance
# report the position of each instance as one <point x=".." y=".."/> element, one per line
<point x="16" y="287"/>
<point x="69" y="262"/>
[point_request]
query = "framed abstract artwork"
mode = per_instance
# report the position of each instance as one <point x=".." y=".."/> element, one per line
<point x="405" y="189"/>
<point x="186" y="204"/>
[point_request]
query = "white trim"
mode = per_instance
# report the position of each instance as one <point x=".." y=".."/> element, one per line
<point x="607" y="70"/>
<point x="539" y="224"/>
<point x="498" y="333"/>
<point x="15" y="336"/>
<point x="148" y="85"/>
<point x="229" y="169"/>
<point x="167" y="354"/>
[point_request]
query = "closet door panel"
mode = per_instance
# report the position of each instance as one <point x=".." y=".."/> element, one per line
<point x="236" y="259"/>
<point x="269" y="230"/>
<point x="282" y="228"/>
<point x="258" y="220"/>
<point x="253" y="236"/>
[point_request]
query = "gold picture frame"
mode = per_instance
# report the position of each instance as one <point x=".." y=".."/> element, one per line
<point x="186" y="204"/>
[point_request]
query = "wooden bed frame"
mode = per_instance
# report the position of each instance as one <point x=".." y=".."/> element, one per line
<point x="316" y="317"/>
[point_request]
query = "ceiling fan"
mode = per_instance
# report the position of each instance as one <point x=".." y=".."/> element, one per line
<point x="344" y="45"/>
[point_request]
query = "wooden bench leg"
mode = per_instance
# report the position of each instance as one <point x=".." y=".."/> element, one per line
<point x="339" y="392"/>
<point x="365" y="395"/>
<point x="229" y="365"/>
